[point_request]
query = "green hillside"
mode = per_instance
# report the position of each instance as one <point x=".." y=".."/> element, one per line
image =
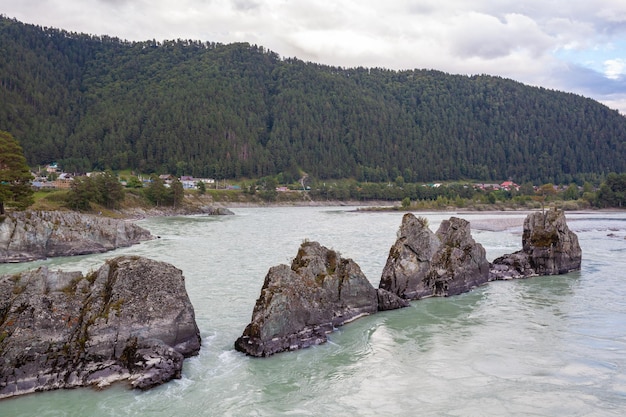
<point x="232" y="111"/>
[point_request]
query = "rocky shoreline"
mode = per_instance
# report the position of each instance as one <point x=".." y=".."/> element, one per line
<point x="32" y="235"/>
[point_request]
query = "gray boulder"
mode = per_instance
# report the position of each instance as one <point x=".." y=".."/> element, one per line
<point x="390" y="301"/>
<point x="31" y="235"/>
<point x="460" y="263"/>
<point x="548" y="248"/>
<point x="409" y="260"/>
<point x="131" y="320"/>
<point x="219" y="211"/>
<point x="422" y="264"/>
<point x="300" y="304"/>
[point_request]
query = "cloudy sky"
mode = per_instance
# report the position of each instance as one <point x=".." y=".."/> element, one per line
<point x="570" y="45"/>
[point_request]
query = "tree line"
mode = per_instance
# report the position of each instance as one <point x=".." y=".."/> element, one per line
<point x="106" y="190"/>
<point x="240" y="111"/>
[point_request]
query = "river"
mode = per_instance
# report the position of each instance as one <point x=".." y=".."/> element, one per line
<point x="545" y="346"/>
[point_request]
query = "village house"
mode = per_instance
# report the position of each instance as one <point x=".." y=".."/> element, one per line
<point x="167" y="178"/>
<point x="487" y="187"/>
<point x="189" y="183"/>
<point x="63" y="181"/>
<point x="52" y="168"/>
<point x="41" y="182"/>
<point x="509" y="185"/>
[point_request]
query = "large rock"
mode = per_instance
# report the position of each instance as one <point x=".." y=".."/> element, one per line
<point x="300" y="304"/>
<point x="30" y="235"/>
<point x="130" y="320"/>
<point x="460" y="264"/>
<point x="548" y="248"/>
<point x="422" y="264"/>
<point x="219" y="211"/>
<point x="409" y="259"/>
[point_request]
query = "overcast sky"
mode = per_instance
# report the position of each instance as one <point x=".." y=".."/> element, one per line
<point x="570" y="45"/>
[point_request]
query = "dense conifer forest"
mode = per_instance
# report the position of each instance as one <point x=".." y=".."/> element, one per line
<point x="240" y="111"/>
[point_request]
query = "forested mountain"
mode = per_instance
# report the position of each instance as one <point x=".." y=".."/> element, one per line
<point x="229" y="111"/>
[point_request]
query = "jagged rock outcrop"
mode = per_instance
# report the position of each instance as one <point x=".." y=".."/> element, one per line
<point x="31" y="235"/>
<point x="423" y="264"/>
<point x="129" y="320"/>
<point x="460" y="264"/>
<point x="300" y="304"/>
<point x="409" y="259"/>
<point x="548" y="248"/>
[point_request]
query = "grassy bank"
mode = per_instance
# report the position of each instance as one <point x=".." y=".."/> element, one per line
<point x="136" y="205"/>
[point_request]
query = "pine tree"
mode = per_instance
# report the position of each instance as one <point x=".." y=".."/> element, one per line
<point x="15" y="177"/>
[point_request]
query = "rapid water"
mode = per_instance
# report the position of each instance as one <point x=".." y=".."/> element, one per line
<point x="546" y="346"/>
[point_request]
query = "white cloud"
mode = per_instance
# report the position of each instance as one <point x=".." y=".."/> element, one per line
<point x="614" y="68"/>
<point x="488" y="37"/>
<point x="612" y="11"/>
<point x="619" y="102"/>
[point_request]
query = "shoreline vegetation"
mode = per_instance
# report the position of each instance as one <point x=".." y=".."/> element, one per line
<point x="135" y="207"/>
<point x="124" y="194"/>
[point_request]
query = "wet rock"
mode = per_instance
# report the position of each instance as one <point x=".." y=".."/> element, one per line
<point x="219" y="211"/>
<point x="390" y="301"/>
<point x="460" y="264"/>
<point x="548" y="248"/>
<point x="31" y="235"/>
<point x="131" y="320"/>
<point x="409" y="259"/>
<point x="422" y="264"/>
<point x="300" y="304"/>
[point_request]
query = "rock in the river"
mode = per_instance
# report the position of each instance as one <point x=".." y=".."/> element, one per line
<point x="390" y="301"/>
<point x="548" y="248"/>
<point x="219" y="211"/>
<point x="460" y="264"/>
<point x="30" y="235"/>
<point x="422" y="263"/>
<point x="300" y="304"/>
<point x="409" y="259"/>
<point x="129" y="320"/>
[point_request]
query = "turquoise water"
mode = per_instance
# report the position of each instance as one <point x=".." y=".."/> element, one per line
<point x="548" y="346"/>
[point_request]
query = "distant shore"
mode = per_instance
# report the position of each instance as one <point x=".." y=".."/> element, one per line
<point x="497" y="220"/>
